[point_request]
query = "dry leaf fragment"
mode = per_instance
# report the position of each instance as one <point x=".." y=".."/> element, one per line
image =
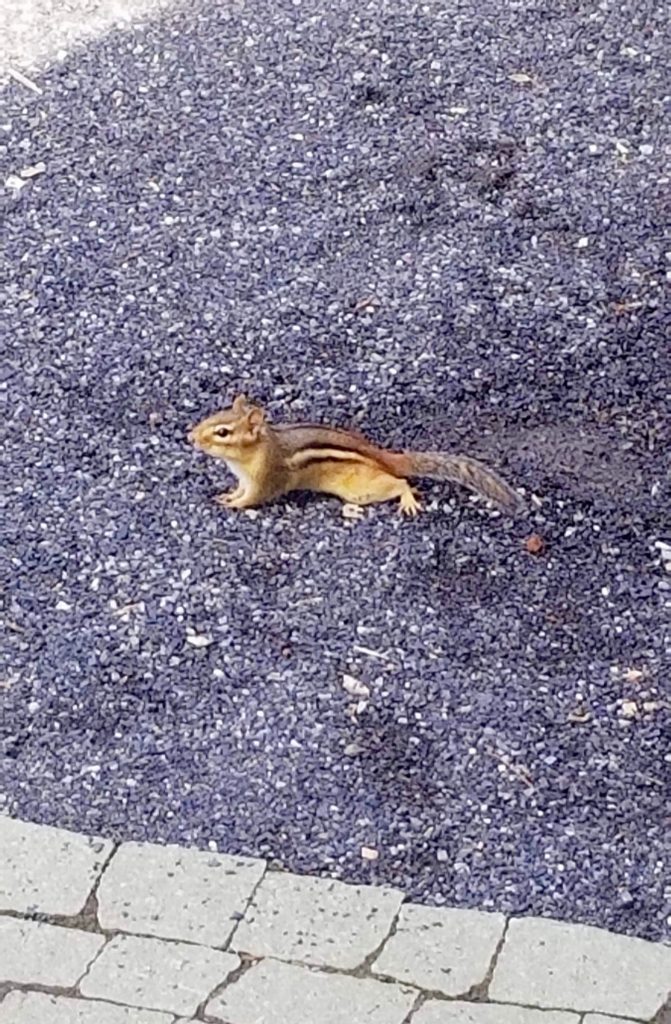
<point x="367" y="304"/>
<point x="633" y="675"/>
<point x="626" y="306"/>
<point x="521" y="77"/>
<point x="534" y="544"/>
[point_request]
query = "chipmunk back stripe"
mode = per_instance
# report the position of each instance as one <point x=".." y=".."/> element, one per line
<point x="323" y="453"/>
<point x="329" y="446"/>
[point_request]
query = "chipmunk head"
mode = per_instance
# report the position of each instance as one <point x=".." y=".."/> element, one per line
<point x="229" y="433"/>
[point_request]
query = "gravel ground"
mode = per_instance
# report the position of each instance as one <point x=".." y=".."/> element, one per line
<point x="446" y="227"/>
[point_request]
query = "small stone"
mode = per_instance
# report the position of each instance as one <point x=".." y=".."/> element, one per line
<point x="273" y="991"/>
<point x="577" y="967"/>
<point x="156" y="975"/>
<point x="32" y="172"/>
<point x="318" y="921"/>
<point x="447" y="951"/>
<point x="355" y="687"/>
<point x="198" y="639"/>
<point x="628" y="709"/>
<point x="369" y="853"/>
<point x="350" y="511"/>
<point x="30" y="1007"/>
<point x="15" y="183"/>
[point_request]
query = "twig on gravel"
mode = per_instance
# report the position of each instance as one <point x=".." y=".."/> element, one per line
<point x="518" y="771"/>
<point x="14" y="626"/>
<point x="379" y="655"/>
<point x="19" y="76"/>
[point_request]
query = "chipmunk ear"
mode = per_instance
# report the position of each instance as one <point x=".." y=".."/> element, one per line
<point x="256" y="418"/>
<point x="240" y="404"/>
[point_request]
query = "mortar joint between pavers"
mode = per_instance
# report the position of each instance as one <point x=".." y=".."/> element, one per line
<point x="246" y="964"/>
<point x="364" y="970"/>
<point x="227" y="947"/>
<point x="115" y="933"/>
<point x="79" y="922"/>
<point x="416" y="1006"/>
<point x="93" y="895"/>
<point x="663" y="1015"/>
<point x="36" y="986"/>
<point x="104" y="946"/>
<point x="85" y="920"/>
<point x="480" y="991"/>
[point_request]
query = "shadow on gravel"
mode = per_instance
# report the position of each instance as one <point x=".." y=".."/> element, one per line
<point x="443" y="228"/>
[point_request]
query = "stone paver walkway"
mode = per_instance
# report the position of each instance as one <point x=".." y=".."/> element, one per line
<point x="91" y="933"/>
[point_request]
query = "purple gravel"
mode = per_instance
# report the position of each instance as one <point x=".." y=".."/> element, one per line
<point x="221" y="194"/>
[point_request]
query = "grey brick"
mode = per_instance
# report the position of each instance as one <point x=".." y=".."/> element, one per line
<point x="173" y="893"/>
<point x="35" y="953"/>
<point x="47" y="869"/>
<point x="446" y="951"/>
<point x="576" y="967"/>
<point x="598" y="1018"/>
<point x="316" y="920"/>
<point x="272" y="992"/>
<point x="36" y="30"/>
<point x="37" y="1008"/>
<point x="157" y="975"/>
<point x="435" y="1012"/>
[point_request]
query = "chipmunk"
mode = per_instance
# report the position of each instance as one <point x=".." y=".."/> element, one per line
<point x="272" y="459"/>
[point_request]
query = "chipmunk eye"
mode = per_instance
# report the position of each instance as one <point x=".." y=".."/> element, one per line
<point x="223" y="431"/>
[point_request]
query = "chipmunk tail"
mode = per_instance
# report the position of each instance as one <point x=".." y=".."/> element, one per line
<point x="460" y="469"/>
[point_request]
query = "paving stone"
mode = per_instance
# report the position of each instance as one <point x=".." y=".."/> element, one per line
<point x="598" y="1018"/>
<point x="47" y="869"/>
<point x="446" y="951"/>
<point x="157" y="975"/>
<point x="272" y="991"/>
<point x="434" y="1012"/>
<point x="176" y="893"/>
<point x="36" y="953"/>
<point x="576" y="967"/>
<point x="38" y="1008"/>
<point x="318" y="921"/>
<point x="37" y="29"/>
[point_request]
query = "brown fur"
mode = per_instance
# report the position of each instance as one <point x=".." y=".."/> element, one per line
<point x="272" y="460"/>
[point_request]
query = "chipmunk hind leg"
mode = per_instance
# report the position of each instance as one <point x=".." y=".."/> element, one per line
<point x="364" y="485"/>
